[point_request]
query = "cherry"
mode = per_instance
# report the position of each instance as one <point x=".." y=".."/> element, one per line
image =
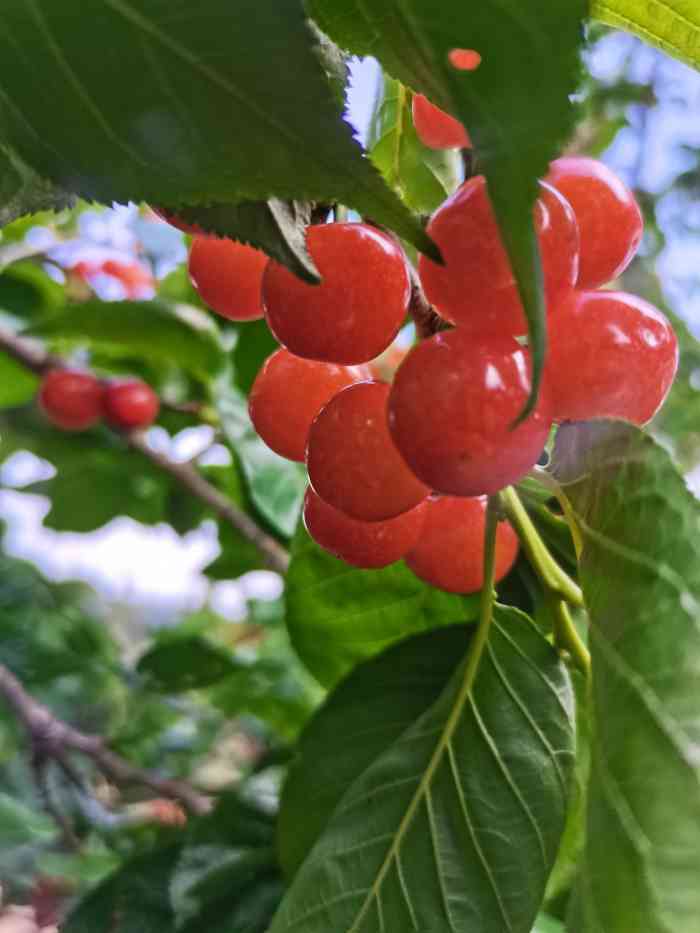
<point x="136" y="279"/>
<point x="363" y="544"/>
<point x="437" y="129"/>
<point x="451" y="412"/>
<point x="359" y="306"/>
<point x="464" y="59"/>
<point x="228" y="276"/>
<point x="71" y="400"/>
<point x="476" y="287"/>
<point x="131" y="404"/>
<point x="450" y="551"/>
<point x="611" y="355"/>
<point x="609" y="220"/>
<point x="352" y="461"/>
<point x="289" y="392"/>
<point x="177" y="222"/>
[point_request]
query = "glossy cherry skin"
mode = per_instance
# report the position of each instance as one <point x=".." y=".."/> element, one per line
<point x="71" y="400"/>
<point x="228" y="277"/>
<point x="131" y="404"/>
<point x="352" y="461"/>
<point x="476" y="288"/>
<point x="358" y="308"/>
<point x="289" y="392"/>
<point x="611" y="355"/>
<point x="368" y="545"/>
<point x="437" y="129"/>
<point x="450" y="551"/>
<point x="609" y="220"/>
<point x="452" y="408"/>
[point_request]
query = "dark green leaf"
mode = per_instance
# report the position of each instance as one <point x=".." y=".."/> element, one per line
<point x="17" y="384"/>
<point x="338" y="616"/>
<point x="20" y="825"/>
<point x="237" y="556"/>
<point x="640" y="572"/>
<point x="255" y="343"/>
<point x="276" y="486"/>
<point x="423" y="177"/>
<point x="135" y="899"/>
<point x="276" y="227"/>
<point x="178" y="334"/>
<point x="515" y="105"/>
<point x="23" y="191"/>
<point x="178" y="105"/>
<point x="455" y="824"/>
<point x="179" y="664"/>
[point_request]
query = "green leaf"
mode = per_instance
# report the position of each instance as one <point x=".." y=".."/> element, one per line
<point x="455" y="824"/>
<point x="423" y="177"/>
<point x="134" y="899"/>
<point x="516" y="104"/>
<point x="174" y="333"/>
<point x="640" y="572"/>
<point x="17" y="384"/>
<point x="547" y="924"/>
<point x="276" y="486"/>
<point x="19" y="825"/>
<point x="182" y="106"/>
<point x="178" y="664"/>
<point x="276" y="227"/>
<point x="23" y="191"/>
<point x="255" y="343"/>
<point x="672" y="25"/>
<point x="338" y="615"/>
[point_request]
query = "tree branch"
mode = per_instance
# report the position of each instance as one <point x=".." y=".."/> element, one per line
<point x="31" y="355"/>
<point x="53" y="738"/>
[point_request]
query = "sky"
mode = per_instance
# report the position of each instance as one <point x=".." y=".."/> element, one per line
<point x="127" y="562"/>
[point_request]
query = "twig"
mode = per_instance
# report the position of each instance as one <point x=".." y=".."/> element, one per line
<point x="276" y="557"/>
<point x="53" y="738"/>
<point x="425" y="318"/>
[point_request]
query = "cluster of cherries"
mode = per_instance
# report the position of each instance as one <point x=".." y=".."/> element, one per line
<point x="403" y="469"/>
<point x="74" y="401"/>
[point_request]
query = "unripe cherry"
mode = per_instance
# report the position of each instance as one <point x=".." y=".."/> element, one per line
<point x="609" y="220"/>
<point x="71" y="400"/>
<point x="289" y="392"/>
<point x="611" y="355"/>
<point x="437" y="129"/>
<point x="131" y="404"/>
<point x="476" y="287"/>
<point x="228" y="276"/>
<point x="352" y="461"/>
<point x="358" y="308"/>
<point x="450" y="551"/>
<point x="368" y="545"/>
<point x="452" y="408"/>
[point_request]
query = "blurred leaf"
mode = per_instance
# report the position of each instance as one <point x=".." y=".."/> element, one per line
<point x="672" y="25"/>
<point x="547" y="924"/>
<point x="425" y="835"/>
<point x="640" y="572"/>
<point x="255" y="343"/>
<point x="179" y="110"/>
<point x="338" y="615"/>
<point x="238" y="555"/>
<point x="23" y="191"/>
<point x="180" y="664"/>
<point x="26" y="291"/>
<point x="17" y="384"/>
<point x="21" y="826"/>
<point x="423" y="177"/>
<point x="276" y="485"/>
<point x="516" y="105"/>
<point x="178" y="334"/>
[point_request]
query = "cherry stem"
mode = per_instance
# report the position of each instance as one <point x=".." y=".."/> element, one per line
<point x="566" y="637"/>
<point x="550" y="483"/>
<point x="488" y="594"/>
<point x="426" y="320"/>
<point x="555" y="579"/>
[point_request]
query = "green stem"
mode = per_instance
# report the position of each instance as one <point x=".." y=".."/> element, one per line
<point x="555" y="579"/>
<point x="567" y="638"/>
<point x="340" y="214"/>
<point x="548" y="481"/>
<point x="488" y="593"/>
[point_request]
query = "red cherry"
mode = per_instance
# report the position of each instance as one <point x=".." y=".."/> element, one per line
<point x="353" y="464"/>
<point x="476" y="287"/>
<point x="131" y="404"/>
<point x="228" y="276"/>
<point x="71" y="400"/>
<point x="177" y="222"/>
<point x="450" y="551"/>
<point x="611" y="355"/>
<point x="289" y="392"/>
<point x="363" y="544"/>
<point x="437" y="129"/>
<point x="451" y="412"/>
<point x="136" y="279"/>
<point x="610" y="222"/>
<point x="357" y="309"/>
<point x="464" y="59"/>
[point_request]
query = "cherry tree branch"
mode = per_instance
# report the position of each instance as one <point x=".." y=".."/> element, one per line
<point x="30" y="354"/>
<point x="53" y="739"/>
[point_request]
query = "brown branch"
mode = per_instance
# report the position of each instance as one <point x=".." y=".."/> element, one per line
<point x="53" y="738"/>
<point x="35" y="358"/>
<point x="425" y="317"/>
